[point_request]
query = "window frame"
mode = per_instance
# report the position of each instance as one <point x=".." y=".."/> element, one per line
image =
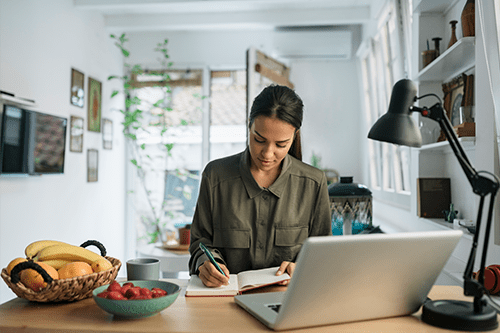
<point x="382" y="60"/>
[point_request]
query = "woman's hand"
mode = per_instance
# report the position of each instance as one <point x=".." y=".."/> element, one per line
<point x="286" y="267"/>
<point x="211" y="277"/>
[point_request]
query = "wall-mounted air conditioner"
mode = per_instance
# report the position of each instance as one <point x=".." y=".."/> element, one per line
<point x="313" y="42"/>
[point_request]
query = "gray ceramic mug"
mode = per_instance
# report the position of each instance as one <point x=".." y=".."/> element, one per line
<point x="143" y="269"/>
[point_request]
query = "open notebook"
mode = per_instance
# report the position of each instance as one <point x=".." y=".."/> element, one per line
<point x="238" y="283"/>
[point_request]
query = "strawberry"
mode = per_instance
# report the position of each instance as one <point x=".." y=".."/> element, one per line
<point x="116" y="295"/>
<point x="132" y="292"/>
<point x="114" y="286"/>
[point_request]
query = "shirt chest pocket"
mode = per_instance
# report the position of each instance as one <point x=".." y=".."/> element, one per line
<point x="290" y="236"/>
<point x="232" y="238"/>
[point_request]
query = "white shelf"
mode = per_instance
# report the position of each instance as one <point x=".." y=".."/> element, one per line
<point x="459" y="58"/>
<point x="467" y="142"/>
<point x="444" y="225"/>
<point x="424" y="6"/>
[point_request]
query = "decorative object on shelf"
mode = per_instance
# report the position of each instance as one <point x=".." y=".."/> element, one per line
<point x="397" y="126"/>
<point x="77" y="88"/>
<point x="94" y="106"/>
<point x="468" y="100"/>
<point x="468" y="19"/>
<point x="458" y="100"/>
<point x="436" y="45"/>
<point x="92" y="165"/>
<point x="429" y="134"/>
<point x="76" y="134"/>
<point x="351" y="206"/>
<point x="427" y="57"/>
<point x="453" y="38"/>
<point x="107" y="133"/>
<point x="451" y="214"/>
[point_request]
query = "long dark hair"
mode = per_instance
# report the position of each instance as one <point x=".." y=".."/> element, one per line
<point x="283" y="103"/>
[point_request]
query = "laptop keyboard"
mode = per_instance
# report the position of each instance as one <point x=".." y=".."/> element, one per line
<point x="275" y="307"/>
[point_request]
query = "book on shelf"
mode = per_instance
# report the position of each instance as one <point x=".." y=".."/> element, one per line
<point x="238" y="283"/>
<point x="433" y="197"/>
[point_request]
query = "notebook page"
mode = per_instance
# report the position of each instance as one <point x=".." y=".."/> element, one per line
<point x="261" y="277"/>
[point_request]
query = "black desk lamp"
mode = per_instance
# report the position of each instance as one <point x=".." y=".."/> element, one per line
<point x="397" y="126"/>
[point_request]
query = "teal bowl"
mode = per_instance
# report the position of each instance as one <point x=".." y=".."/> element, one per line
<point x="138" y="308"/>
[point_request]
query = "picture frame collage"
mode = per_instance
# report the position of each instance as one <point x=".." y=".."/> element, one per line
<point x="95" y="122"/>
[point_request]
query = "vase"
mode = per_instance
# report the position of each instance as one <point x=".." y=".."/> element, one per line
<point x="436" y="45"/>
<point x="453" y="38"/>
<point x="468" y="19"/>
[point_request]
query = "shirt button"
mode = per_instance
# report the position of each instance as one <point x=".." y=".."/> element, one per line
<point x="265" y="197"/>
<point x="260" y="245"/>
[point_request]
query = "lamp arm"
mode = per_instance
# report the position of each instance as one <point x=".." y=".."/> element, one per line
<point x="436" y="113"/>
<point x="482" y="186"/>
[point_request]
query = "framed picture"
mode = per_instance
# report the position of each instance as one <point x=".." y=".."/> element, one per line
<point x="107" y="134"/>
<point x="76" y="134"/>
<point x="453" y="97"/>
<point x="92" y="165"/>
<point x="94" y="106"/>
<point x="77" y="88"/>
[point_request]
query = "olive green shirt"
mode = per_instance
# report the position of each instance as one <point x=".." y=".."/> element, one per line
<point x="247" y="226"/>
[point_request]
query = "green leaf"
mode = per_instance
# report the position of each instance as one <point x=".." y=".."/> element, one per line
<point x="158" y="103"/>
<point x="169" y="147"/>
<point x="143" y="146"/>
<point x="114" y="93"/>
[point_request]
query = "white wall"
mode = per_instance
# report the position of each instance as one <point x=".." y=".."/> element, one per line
<point x="329" y="88"/>
<point x="39" y="43"/>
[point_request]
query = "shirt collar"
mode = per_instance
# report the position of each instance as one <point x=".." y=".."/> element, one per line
<point x="253" y="189"/>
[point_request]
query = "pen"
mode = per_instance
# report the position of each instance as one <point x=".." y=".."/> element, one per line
<point x="211" y="258"/>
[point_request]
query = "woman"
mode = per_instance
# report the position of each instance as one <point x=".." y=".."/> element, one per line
<point x="256" y="208"/>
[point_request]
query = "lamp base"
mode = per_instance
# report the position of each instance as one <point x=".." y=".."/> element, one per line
<point x="459" y="315"/>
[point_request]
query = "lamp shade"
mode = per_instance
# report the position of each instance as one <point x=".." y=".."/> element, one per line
<point x="397" y="125"/>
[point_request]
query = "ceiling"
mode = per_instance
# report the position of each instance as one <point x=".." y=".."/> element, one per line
<point x="169" y="15"/>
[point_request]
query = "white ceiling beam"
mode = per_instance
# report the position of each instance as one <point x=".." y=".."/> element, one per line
<point x="238" y="20"/>
<point x="175" y="6"/>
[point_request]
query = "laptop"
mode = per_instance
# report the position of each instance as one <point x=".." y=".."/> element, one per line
<point x="339" y="279"/>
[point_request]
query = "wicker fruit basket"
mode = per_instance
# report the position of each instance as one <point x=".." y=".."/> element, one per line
<point x="65" y="290"/>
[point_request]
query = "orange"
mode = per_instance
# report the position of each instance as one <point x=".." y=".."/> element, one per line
<point x="34" y="280"/>
<point x="101" y="265"/>
<point x="14" y="263"/>
<point x="73" y="269"/>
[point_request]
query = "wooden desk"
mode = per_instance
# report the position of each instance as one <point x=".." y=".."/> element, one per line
<point x="192" y="314"/>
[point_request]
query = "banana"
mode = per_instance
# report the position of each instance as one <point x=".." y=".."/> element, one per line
<point x="67" y="252"/>
<point x="32" y="249"/>
<point x="56" y="263"/>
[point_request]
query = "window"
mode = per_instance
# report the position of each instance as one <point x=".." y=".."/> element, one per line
<point x="382" y="64"/>
<point x="173" y="160"/>
<point x="227" y="113"/>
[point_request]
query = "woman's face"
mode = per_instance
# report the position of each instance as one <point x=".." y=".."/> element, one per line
<point x="270" y="141"/>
